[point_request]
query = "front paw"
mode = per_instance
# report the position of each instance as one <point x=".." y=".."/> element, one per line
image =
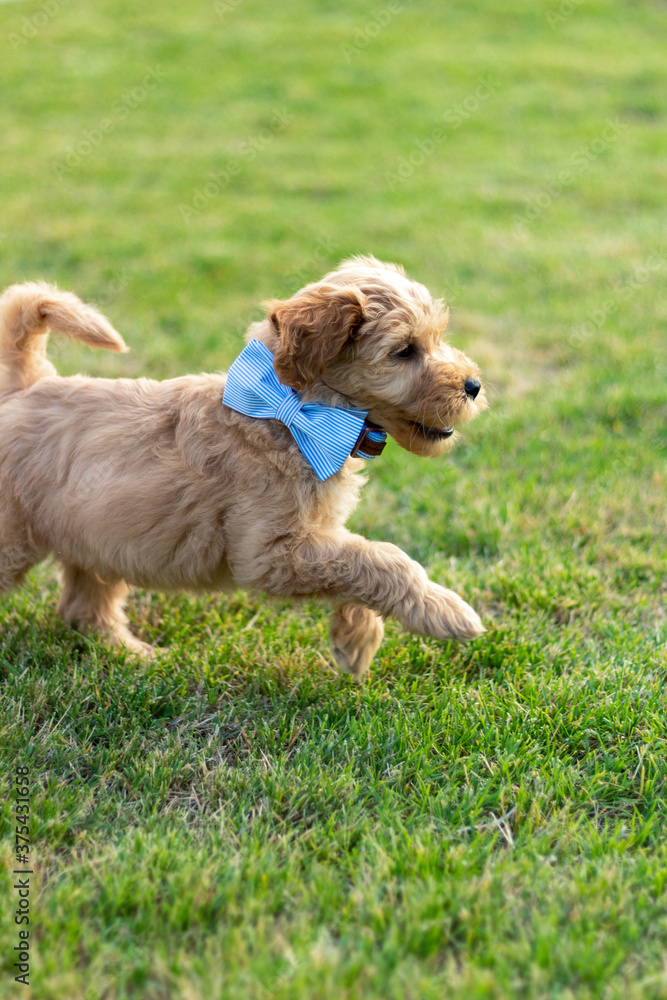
<point x="120" y="637"/>
<point x="356" y="633"/>
<point x="442" y="614"/>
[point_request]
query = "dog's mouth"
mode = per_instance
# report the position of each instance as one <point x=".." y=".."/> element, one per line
<point x="412" y="434"/>
<point x="430" y="433"/>
<point x="433" y="433"/>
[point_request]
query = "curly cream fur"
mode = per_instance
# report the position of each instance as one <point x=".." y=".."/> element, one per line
<point x="158" y="484"/>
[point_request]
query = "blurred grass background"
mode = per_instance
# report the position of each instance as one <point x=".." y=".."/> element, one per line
<point x="238" y="820"/>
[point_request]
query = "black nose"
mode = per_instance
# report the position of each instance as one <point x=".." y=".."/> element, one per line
<point x="472" y="387"/>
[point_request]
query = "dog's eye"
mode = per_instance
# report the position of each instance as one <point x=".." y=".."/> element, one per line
<point x="407" y="352"/>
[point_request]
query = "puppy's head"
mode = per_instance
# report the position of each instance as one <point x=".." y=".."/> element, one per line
<point x="368" y="337"/>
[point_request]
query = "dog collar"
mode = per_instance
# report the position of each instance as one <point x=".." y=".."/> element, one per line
<point x="326" y="435"/>
<point x="370" y="442"/>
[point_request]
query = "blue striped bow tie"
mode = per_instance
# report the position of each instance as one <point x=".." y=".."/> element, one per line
<point x="326" y="435"/>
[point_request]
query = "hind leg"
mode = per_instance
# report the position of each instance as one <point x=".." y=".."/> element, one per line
<point x="95" y="606"/>
<point x="13" y="567"/>
<point x="18" y="551"/>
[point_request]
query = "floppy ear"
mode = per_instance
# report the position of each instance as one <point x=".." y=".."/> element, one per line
<point x="313" y="327"/>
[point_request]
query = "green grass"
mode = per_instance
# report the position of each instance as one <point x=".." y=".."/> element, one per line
<point x="238" y="820"/>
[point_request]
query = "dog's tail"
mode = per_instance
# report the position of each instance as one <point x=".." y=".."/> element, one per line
<point x="27" y="312"/>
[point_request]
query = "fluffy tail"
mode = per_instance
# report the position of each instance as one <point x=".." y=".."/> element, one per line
<point x="27" y="312"/>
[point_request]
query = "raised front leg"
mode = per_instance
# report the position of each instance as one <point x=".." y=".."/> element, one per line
<point x="351" y="570"/>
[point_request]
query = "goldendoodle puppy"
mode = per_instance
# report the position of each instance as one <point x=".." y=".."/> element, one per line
<point x="163" y="485"/>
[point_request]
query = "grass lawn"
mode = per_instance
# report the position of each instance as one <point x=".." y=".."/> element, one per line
<point x="238" y="820"/>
